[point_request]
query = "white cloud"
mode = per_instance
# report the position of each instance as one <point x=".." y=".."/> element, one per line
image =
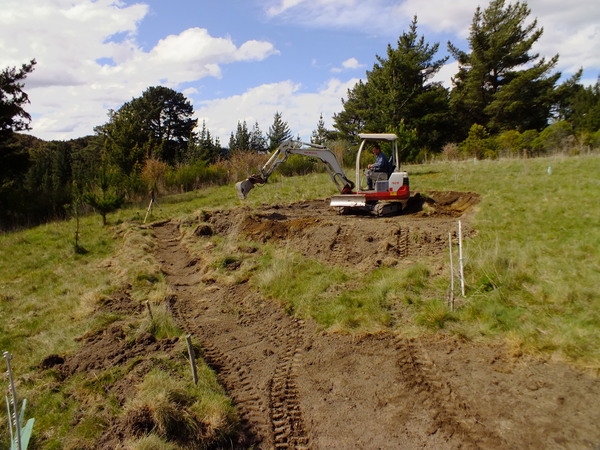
<point x="446" y="73"/>
<point x="89" y="60"/>
<point x="301" y="110"/>
<point x="573" y="32"/>
<point x="349" y="64"/>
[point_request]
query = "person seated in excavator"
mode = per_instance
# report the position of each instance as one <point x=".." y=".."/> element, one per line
<point x="380" y="169"/>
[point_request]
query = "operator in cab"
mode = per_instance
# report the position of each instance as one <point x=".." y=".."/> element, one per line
<point x="380" y="169"/>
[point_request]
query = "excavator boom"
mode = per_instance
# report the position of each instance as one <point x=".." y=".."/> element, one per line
<point x="282" y="153"/>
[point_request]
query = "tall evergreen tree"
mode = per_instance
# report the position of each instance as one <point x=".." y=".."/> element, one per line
<point x="580" y="105"/>
<point x="320" y="135"/>
<point x="399" y="92"/>
<point x="258" y="142"/>
<point x="204" y="147"/>
<point x="278" y="132"/>
<point x="500" y="84"/>
<point x="14" y="158"/>
<point x="241" y="139"/>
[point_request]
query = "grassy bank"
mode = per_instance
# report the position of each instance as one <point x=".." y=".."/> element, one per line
<point x="53" y="302"/>
<point x="533" y="269"/>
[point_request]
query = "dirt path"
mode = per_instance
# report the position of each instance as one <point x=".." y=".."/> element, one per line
<point x="298" y="387"/>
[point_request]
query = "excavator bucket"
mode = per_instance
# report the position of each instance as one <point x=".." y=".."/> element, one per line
<point x="243" y="187"/>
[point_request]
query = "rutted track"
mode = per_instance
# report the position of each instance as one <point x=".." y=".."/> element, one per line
<point x="297" y="387"/>
<point x="232" y="332"/>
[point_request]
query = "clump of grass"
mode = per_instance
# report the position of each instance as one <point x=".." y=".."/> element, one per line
<point x="161" y="325"/>
<point x="297" y="282"/>
<point x="150" y="442"/>
<point x="175" y="411"/>
<point x="434" y="314"/>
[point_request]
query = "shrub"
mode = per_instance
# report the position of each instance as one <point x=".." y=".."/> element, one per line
<point x="194" y="176"/>
<point x="478" y="144"/>
<point x="154" y="173"/>
<point x="450" y="152"/>
<point x="509" y="143"/>
<point x="554" y="138"/>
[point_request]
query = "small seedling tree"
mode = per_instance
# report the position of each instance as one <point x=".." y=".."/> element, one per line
<point x="107" y="199"/>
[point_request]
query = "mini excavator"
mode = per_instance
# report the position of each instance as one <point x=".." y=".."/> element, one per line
<point x="390" y="192"/>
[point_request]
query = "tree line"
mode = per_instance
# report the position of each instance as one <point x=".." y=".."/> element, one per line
<point x="504" y="100"/>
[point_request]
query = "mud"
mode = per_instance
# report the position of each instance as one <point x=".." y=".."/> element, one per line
<point x="359" y="241"/>
<point x="297" y="386"/>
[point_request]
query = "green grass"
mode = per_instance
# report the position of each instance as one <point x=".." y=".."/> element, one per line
<point x="531" y="271"/>
<point x="50" y="295"/>
<point x="42" y="286"/>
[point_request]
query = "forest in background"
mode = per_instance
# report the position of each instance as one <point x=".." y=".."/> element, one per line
<point x="505" y="102"/>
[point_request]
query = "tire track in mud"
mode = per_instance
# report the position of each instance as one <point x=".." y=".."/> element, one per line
<point x="232" y="330"/>
<point x="451" y="415"/>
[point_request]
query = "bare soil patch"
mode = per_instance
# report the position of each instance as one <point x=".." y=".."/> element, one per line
<point x="297" y="386"/>
<point x="360" y="241"/>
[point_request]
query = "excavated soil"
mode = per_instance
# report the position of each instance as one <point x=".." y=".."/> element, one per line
<point x="297" y="386"/>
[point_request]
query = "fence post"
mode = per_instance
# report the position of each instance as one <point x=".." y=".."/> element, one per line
<point x="451" y="300"/>
<point x="460" y="260"/>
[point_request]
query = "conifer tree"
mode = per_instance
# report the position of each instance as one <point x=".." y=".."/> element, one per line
<point x="320" y="135"/>
<point x="258" y="142"/>
<point x="500" y="84"/>
<point x="399" y="92"/>
<point x="241" y="139"/>
<point x="278" y="132"/>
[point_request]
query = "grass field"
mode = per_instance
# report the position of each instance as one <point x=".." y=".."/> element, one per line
<point x="532" y="272"/>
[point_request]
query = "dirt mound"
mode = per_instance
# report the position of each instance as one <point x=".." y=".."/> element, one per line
<point x="104" y="350"/>
<point x="298" y="387"/>
<point x="361" y="241"/>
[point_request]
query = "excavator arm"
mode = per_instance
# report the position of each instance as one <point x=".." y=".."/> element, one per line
<point x="282" y="153"/>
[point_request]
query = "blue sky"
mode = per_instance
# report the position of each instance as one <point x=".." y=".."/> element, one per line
<point x="241" y="60"/>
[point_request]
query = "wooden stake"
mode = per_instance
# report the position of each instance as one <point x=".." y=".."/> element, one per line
<point x="451" y="300"/>
<point x="460" y="260"/>
<point x="188" y="339"/>
<point x="149" y="310"/>
<point x="149" y="208"/>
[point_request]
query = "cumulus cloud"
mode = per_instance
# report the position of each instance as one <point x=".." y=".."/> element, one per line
<point x="301" y="110"/>
<point x="571" y="32"/>
<point x="89" y="60"/>
<point x="349" y="64"/>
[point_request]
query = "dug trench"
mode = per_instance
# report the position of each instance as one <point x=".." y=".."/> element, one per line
<point x="297" y="385"/>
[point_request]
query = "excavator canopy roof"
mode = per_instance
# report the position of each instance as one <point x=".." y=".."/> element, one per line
<point x="378" y="136"/>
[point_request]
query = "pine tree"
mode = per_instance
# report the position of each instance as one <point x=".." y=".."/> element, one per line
<point x="258" y="142"/>
<point x="320" y="135"/>
<point x="500" y="85"/>
<point x="241" y="139"/>
<point x="278" y="132"/>
<point x="399" y="91"/>
<point x="158" y="124"/>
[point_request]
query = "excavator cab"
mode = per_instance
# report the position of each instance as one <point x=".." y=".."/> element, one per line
<point x="379" y="178"/>
<point x="390" y="193"/>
